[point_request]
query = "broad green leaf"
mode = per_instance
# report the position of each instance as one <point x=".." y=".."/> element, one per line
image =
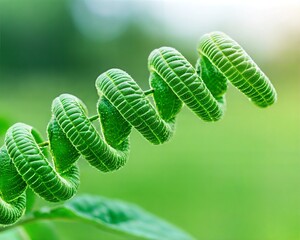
<point x="116" y="217"/>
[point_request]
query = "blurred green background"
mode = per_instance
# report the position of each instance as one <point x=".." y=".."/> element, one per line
<point x="230" y="180"/>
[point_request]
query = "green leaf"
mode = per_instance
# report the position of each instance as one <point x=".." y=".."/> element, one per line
<point x="114" y="216"/>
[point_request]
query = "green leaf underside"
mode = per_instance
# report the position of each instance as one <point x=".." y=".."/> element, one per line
<point x="122" y="105"/>
<point x="114" y="216"/>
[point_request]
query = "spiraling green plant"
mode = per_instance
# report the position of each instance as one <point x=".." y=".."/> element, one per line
<point x="123" y="105"/>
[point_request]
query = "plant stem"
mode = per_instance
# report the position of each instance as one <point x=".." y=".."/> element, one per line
<point x="148" y="92"/>
<point x="93" y="118"/>
<point x="44" y="144"/>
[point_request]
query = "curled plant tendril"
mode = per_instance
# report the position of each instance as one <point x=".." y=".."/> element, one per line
<point x="123" y="105"/>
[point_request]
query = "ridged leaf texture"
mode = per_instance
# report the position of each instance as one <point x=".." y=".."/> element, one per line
<point x="121" y="106"/>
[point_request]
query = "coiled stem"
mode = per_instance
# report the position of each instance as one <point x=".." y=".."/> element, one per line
<point x="123" y="105"/>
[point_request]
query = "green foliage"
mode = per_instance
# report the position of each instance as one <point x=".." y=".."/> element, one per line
<point x="123" y="104"/>
<point x="235" y="64"/>
<point x="113" y="216"/>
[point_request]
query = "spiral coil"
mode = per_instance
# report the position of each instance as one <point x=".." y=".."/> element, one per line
<point x="123" y="105"/>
